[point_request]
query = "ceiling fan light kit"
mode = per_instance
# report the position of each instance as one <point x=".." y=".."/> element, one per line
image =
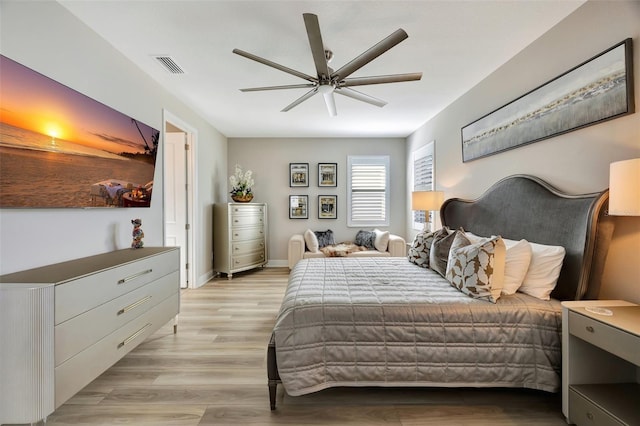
<point x="327" y="81"/>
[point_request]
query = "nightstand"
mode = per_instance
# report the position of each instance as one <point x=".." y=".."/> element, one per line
<point x="601" y="362"/>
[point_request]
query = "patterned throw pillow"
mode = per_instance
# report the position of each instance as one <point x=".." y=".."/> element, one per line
<point x="419" y="250"/>
<point x="325" y="238"/>
<point x="365" y="239"/>
<point x="439" y="254"/>
<point x="477" y="269"/>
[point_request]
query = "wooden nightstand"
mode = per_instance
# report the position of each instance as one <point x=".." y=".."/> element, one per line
<point x="601" y="363"/>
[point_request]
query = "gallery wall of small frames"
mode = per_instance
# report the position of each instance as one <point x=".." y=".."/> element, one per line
<point x="299" y="177"/>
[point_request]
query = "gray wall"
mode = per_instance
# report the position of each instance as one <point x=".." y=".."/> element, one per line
<point x="44" y="36"/>
<point x="269" y="160"/>
<point x="577" y="162"/>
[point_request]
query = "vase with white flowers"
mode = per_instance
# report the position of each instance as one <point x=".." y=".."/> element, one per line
<point x="241" y="184"/>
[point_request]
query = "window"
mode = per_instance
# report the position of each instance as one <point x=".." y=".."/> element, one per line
<point x="422" y="160"/>
<point x="368" y="190"/>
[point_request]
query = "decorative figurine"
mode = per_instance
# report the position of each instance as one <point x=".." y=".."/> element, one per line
<point x="138" y="235"/>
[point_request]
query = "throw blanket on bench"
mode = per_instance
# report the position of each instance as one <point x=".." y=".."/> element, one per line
<point x="341" y="250"/>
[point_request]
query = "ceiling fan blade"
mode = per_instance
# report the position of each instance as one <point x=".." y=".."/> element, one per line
<point x="380" y="79"/>
<point x="301" y="99"/>
<point x="369" y="55"/>
<point x="345" y="91"/>
<point x="317" y="46"/>
<point x="330" y="101"/>
<point x="289" y="86"/>
<point x="274" y="65"/>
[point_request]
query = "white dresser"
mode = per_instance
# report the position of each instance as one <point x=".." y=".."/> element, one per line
<point x="239" y="237"/>
<point x="601" y="363"/>
<point x="63" y="325"/>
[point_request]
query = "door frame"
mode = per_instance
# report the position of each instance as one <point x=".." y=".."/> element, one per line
<point x="192" y="190"/>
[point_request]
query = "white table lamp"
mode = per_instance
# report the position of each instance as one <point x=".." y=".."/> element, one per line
<point x="624" y="188"/>
<point x="427" y="201"/>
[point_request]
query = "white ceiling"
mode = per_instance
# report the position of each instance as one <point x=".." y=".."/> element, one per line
<point x="455" y="44"/>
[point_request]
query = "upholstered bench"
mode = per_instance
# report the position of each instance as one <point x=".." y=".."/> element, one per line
<point x="298" y="249"/>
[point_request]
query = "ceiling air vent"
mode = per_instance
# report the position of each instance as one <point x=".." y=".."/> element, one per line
<point x="169" y="64"/>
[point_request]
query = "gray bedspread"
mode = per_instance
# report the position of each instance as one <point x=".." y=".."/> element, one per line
<point x="388" y="322"/>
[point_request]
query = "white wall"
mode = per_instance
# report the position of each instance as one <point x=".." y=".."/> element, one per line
<point x="44" y="36"/>
<point x="577" y="162"/>
<point x="269" y="160"/>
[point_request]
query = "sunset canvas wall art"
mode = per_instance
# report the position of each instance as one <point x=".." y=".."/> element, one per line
<point x="60" y="148"/>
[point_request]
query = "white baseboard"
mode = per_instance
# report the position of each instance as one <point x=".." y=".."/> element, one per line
<point x="203" y="279"/>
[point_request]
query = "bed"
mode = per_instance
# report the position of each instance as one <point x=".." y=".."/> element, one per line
<point x="388" y="322"/>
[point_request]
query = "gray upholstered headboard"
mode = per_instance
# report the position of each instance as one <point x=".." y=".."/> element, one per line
<point x="523" y="206"/>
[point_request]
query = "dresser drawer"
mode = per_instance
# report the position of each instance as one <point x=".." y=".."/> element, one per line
<point x="611" y="339"/>
<point x="247" y="234"/>
<point x="82" y="331"/>
<point x="245" y="247"/>
<point x="80" y="370"/>
<point x="78" y="296"/>
<point x="247" y="210"/>
<point x="583" y="412"/>
<point x="247" y="260"/>
<point x="242" y="221"/>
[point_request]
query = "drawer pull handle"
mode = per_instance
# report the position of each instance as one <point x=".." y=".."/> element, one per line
<point x="590" y="329"/>
<point x="134" y="276"/>
<point x="134" y="305"/>
<point x="590" y="416"/>
<point x="133" y="336"/>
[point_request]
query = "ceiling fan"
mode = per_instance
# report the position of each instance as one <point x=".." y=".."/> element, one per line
<point x="327" y="82"/>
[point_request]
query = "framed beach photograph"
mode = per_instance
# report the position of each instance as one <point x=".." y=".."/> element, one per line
<point x="597" y="90"/>
<point x="298" y="206"/>
<point x="327" y="174"/>
<point x="298" y="174"/>
<point x="327" y="206"/>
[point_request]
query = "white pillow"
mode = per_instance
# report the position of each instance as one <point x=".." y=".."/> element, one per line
<point x="382" y="240"/>
<point x="475" y="238"/>
<point x="311" y="240"/>
<point x="517" y="264"/>
<point x="544" y="270"/>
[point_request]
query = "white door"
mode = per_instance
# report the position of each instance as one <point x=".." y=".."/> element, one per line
<point x="175" y="209"/>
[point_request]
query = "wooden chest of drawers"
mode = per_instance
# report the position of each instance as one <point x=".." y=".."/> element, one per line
<point x="239" y="237"/>
<point x="65" y="324"/>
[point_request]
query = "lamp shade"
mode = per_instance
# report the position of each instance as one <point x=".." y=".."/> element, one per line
<point x="426" y="200"/>
<point x="624" y="188"/>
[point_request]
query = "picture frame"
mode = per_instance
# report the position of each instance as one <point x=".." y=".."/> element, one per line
<point x="327" y="206"/>
<point x="595" y="91"/>
<point x="327" y="174"/>
<point x="298" y="175"/>
<point x="298" y="206"/>
<point x="88" y="140"/>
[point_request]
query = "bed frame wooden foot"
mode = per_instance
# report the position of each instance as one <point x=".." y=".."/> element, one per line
<point x="272" y="372"/>
<point x="273" y="387"/>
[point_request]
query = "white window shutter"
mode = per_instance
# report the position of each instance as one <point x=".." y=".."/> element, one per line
<point x="368" y="202"/>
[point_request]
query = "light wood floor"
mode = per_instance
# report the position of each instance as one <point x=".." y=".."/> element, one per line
<point x="212" y="372"/>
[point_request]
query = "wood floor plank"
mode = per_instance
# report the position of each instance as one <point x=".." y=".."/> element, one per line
<point x="213" y="372"/>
